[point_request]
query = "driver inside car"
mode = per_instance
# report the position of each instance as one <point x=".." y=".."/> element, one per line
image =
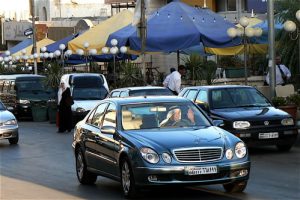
<point x="175" y="119"/>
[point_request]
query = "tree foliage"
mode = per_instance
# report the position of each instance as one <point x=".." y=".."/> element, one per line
<point x="288" y="48"/>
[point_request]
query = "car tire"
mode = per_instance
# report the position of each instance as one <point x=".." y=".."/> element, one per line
<point x="84" y="176"/>
<point x="284" y="148"/>
<point x="235" y="187"/>
<point x="14" y="140"/>
<point x="127" y="180"/>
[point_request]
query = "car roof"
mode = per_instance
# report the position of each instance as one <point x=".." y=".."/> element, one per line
<point x="14" y="76"/>
<point x="148" y="99"/>
<point x="218" y="86"/>
<point x="139" y="88"/>
<point x="82" y="74"/>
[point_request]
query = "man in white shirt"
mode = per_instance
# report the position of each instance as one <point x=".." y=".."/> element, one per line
<point x="174" y="83"/>
<point x="282" y="73"/>
<point x="166" y="81"/>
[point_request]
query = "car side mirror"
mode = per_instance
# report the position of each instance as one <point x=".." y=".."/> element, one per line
<point x="108" y="130"/>
<point x="218" y="122"/>
<point x="202" y="105"/>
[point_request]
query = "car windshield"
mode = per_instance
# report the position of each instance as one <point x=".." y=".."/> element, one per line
<point x="2" y="106"/>
<point x="237" y="97"/>
<point x="162" y="115"/>
<point x="150" y="92"/>
<point x="34" y="84"/>
<point x="89" y="94"/>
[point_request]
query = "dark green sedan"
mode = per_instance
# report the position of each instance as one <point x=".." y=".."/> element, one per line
<point x="150" y="141"/>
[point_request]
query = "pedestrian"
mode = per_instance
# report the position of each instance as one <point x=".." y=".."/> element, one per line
<point x="282" y="75"/>
<point x="65" y="101"/>
<point x="174" y="83"/>
<point x="166" y="81"/>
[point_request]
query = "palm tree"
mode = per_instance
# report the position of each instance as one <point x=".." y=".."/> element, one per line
<point x="287" y="47"/>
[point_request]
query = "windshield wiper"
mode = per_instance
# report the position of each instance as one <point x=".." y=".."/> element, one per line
<point x="253" y="105"/>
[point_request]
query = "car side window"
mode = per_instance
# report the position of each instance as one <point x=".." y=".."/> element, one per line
<point x="123" y="94"/>
<point x="97" y="118"/>
<point x="202" y="96"/>
<point x="115" y="94"/>
<point x="110" y="116"/>
<point x="191" y="94"/>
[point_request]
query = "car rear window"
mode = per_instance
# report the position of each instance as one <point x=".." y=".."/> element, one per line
<point x="88" y="82"/>
<point x="150" y="92"/>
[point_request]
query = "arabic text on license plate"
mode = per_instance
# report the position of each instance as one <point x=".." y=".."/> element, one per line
<point x="268" y="135"/>
<point x="201" y="170"/>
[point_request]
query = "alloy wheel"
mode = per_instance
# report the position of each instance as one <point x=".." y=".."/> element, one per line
<point x="126" y="177"/>
<point x="79" y="165"/>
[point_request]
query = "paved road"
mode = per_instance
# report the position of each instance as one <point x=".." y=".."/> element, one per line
<point x="42" y="166"/>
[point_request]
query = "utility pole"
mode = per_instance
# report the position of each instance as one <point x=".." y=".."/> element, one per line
<point x="271" y="51"/>
<point x="143" y="34"/>
<point x="34" y="35"/>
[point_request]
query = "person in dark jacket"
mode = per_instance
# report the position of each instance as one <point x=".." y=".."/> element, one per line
<point x="65" y="102"/>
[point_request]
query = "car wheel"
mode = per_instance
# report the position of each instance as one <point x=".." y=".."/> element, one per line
<point x="14" y="140"/>
<point x="235" y="187"/>
<point x="84" y="176"/>
<point x="127" y="180"/>
<point x="284" y="148"/>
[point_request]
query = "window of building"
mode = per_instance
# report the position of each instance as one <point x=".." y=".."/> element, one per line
<point x="228" y="5"/>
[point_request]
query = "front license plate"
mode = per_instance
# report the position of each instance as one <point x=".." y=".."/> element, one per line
<point x="201" y="170"/>
<point x="268" y="135"/>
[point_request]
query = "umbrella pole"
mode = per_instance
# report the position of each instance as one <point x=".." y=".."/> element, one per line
<point x="143" y="30"/>
<point x="178" y="58"/>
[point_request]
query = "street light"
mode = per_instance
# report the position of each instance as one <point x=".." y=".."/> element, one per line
<point x="114" y="50"/>
<point x="86" y="54"/>
<point x="245" y="33"/>
<point x="294" y="32"/>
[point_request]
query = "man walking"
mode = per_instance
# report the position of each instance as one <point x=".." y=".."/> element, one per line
<point x="174" y="83"/>
<point x="283" y="74"/>
<point x="167" y="79"/>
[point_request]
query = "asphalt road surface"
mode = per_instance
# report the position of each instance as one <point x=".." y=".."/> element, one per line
<point x="42" y="166"/>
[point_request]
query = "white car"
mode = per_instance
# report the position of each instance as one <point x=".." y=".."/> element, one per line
<point x="8" y="125"/>
<point x="87" y="89"/>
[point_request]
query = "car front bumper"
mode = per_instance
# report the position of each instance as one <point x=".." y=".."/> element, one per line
<point x="175" y="175"/>
<point x="7" y="132"/>
<point x="286" y="136"/>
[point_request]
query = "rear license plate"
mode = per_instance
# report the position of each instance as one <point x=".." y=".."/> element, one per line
<point x="268" y="135"/>
<point x="200" y="170"/>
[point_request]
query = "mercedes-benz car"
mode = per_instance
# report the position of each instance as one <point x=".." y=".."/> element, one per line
<point x="152" y="141"/>
<point x="8" y="125"/>
<point x="246" y="113"/>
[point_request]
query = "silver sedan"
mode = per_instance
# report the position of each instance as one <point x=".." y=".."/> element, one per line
<point x="8" y="125"/>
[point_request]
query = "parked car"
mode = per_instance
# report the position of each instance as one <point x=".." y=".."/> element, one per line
<point x="131" y="140"/>
<point x="86" y="89"/>
<point x="140" y="91"/>
<point x="8" y="125"/>
<point x="22" y="90"/>
<point x="246" y="113"/>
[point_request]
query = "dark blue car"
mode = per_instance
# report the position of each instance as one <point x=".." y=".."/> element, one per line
<point x="246" y="113"/>
<point x="151" y="141"/>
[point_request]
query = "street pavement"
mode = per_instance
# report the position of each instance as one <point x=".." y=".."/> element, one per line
<point x="42" y="166"/>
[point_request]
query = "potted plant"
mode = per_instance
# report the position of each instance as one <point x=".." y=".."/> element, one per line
<point x="52" y="81"/>
<point x="287" y="104"/>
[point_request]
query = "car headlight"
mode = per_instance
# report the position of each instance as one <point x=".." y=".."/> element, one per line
<point x="149" y="155"/>
<point x="10" y="122"/>
<point x="166" y="157"/>
<point x="287" y="122"/>
<point x="80" y="109"/>
<point x="23" y="101"/>
<point x="241" y="124"/>
<point x="240" y="150"/>
<point x="229" y="154"/>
